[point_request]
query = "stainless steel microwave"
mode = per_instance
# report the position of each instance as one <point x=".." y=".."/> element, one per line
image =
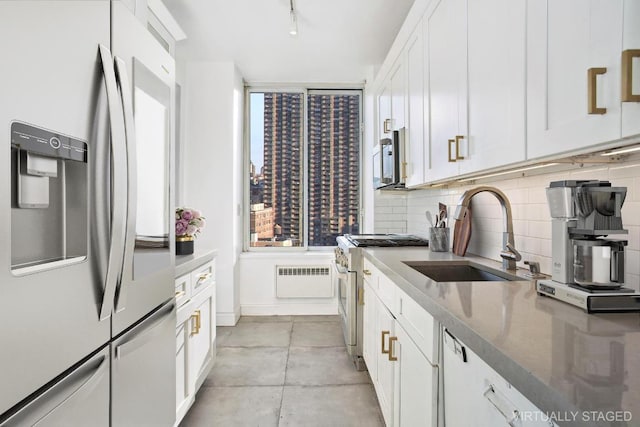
<point x="387" y="159"/>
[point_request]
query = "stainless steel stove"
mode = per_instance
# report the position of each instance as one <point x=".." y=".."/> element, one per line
<point x="348" y="276"/>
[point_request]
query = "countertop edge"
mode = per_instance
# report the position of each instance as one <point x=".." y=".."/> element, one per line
<point x="187" y="263"/>
<point x="544" y="396"/>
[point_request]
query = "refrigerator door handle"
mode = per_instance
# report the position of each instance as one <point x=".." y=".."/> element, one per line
<point x="148" y="333"/>
<point x="118" y="182"/>
<point x="132" y="178"/>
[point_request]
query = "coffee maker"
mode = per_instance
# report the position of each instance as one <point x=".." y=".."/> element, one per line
<point x="588" y="265"/>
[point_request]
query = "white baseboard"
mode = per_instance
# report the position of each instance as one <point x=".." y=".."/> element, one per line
<point x="290" y="309"/>
<point x="227" y="319"/>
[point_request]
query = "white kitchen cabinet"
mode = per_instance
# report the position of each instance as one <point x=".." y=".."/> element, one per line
<point x="631" y="42"/>
<point x="403" y="376"/>
<point x="385" y="376"/>
<point x="476" y="89"/>
<point x="476" y="395"/>
<point x="565" y="40"/>
<point x="378" y="327"/>
<point x="415" y="141"/>
<point x="195" y="333"/>
<point x="416" y="384"/>
<point x="202" y="336"/>
<point x="447" y="65"/>
<point x="398" y="94"/>
<point x="495" y="84"/>
<point x="385" y="125"/>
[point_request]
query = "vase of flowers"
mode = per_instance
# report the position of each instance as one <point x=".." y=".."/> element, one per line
<point x="189" y="222"/>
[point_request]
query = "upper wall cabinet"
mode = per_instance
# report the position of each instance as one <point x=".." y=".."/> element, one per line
<point x="384" y="112"/>
<point x="476" y="85"/>
<point x="417" y="128"/>
<point x="574" y="50"/>
<point x="391" y="100"/>
<point x="631" y="69"/>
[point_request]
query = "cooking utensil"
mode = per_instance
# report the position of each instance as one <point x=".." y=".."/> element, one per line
<point x="429" y="218"/>
<point x="442" y="215"/>
<point x="462" y="233"/>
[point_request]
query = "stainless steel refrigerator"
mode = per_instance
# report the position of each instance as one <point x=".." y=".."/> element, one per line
<point x="87" y="314"/>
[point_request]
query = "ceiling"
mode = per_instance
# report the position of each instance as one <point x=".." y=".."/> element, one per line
<point x="338" y="40"/>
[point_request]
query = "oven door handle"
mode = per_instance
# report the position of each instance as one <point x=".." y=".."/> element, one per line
<point x="339" y="269"/>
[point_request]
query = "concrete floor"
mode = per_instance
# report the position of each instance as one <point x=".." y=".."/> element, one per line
<point x="284" y="371"/>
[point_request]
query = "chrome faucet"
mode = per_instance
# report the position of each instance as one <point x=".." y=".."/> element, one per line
<point x="509" y="254"/>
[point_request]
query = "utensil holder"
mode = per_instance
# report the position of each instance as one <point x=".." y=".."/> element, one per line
<point x="439" y="239"/>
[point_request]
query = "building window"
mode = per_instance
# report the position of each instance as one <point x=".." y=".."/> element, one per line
<point x="304" y="180"/>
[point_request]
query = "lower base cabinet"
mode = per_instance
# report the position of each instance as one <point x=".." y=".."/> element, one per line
<point x="416" y="383"/>
<point x="404" y="379"/>
<point x="476" y="395"/>
<point x="195" y="335"/>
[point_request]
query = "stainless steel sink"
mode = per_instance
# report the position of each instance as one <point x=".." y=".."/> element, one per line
<point x="459" y="271"/>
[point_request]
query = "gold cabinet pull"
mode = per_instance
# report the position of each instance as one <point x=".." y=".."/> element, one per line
<point x="198" y="320"/>
<point x="391" y="356"/>
<point x="458" y="156"/>
<point x="404" y="171"/>
<point x="387" y="125"/>
<point x="451" y="142"/>
<point x="384" y="333"/>
<point x="592" y="75"/>
<point x="197" y="317"/>
<point x="366" y="272"/>
<point x="627" y="75"/>
<point x="180" y="294"/>
<point x="361" y="296"/>
<point x="203" y="277"/>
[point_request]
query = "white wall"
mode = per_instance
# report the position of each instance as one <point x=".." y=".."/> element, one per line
<point x="531" y="220"/>
<point x="212" y="140"/>
<point x="258" y="287"/>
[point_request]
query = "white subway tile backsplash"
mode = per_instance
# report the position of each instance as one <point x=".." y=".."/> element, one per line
<point x="532" y="222"/>
<point x="624" y="171"/>
<point x="632" y="262"/>
<point x="631" y="213"/>
<point x="633" y="237"/>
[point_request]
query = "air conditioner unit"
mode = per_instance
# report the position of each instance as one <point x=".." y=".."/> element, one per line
<point x="304" y="281"/>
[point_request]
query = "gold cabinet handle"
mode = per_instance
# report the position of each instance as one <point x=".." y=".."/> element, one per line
<point x="366" y="272"/>
<point x="180" y="294"/>
<point x="384" y="333"/>
<point x="592" y="75"/>
<point x="194" y="330"/>
<point x="387" y="125"/>
<point x="361" y="296"/>
<point x="458" y="156"/>
<point x="197" y="317"/>
<point x="203" y="277"/>
<point x="627" y="75"/>
<point x="451" y="142"/>
<point x="391" y="356"/>
<point x="404" y="171"/>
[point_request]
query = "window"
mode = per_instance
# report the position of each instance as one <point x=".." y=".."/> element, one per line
<point x="304" y="181"/>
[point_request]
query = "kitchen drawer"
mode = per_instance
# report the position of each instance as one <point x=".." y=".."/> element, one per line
<point x="419" y="324"/>
<point x="202" y="277"/>
<point x="183" y="289"/>
<point x="370" y="274"/>
<point x="381" y="285"/>
<point x="387" y="293"/>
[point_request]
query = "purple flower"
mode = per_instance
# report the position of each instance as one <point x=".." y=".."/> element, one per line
<point x="181" y="227"/>
<point x="187" y="214"/>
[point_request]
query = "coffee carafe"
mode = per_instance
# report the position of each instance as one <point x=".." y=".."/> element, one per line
<point x="585" y="214"/>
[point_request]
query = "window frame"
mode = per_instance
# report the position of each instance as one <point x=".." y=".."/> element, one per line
<point x="246" y="153"/>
